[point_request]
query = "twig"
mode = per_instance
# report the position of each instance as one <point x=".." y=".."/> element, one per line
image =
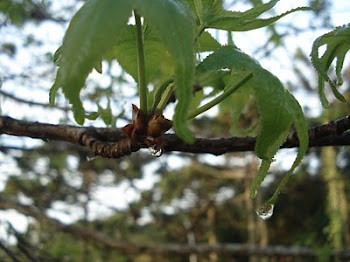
<point x="107" y="142"/>
<point x="32" y="103"/>
<point x="8" y="252"/>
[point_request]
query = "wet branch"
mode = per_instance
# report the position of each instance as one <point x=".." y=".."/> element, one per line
<point x="112" y="142"/>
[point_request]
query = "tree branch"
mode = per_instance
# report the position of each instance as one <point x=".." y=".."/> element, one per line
<point x="32" y="103"/>
<point x="180" y="249"/>
<point x="112" y="142"/>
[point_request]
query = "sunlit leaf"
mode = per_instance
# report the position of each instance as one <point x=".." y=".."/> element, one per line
<point x="338" y="44"/>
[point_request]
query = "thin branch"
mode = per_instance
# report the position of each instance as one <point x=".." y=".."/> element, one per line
<point x="180" y="249"/>
<point x="8" y="252"/>
<point x="59" y="147"/>
<point x="24" y="247"/>
<point x="32" y="103"/>
<point x="44" y="105"/>
<point x="112" y="142"/>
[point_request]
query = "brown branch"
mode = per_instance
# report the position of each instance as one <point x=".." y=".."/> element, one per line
<point x="101" y="141"/>
<point x="111" y="142"/>
<point x="331" y="134"/>
<point x="67" y="148"/>
<point x="180" y="249"/>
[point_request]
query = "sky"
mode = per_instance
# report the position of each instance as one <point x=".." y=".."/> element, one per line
<point x="50" y="34"/>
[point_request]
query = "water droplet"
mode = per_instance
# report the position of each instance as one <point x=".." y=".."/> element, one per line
<point x="266" y="211"/>
<point x="90" y="158"/>
<point x="155" y="150"/>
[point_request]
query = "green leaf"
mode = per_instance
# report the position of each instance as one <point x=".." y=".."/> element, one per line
<point x="98" y="67"/>
<point x="207" y="43"/>
<point x="97" y="26"/>
<point x="215" y="79"/>
<point x="206" y="10"/>
<point x="211" y="14"/>
<point x="156" y="56"/>
<point x="236" y="104"/>
<point x="274" y="105"/>
<point x="277" y="107"/>
<point x="52" y="93"/>
<point x="244" y="24"/>
<point x="173" y="22"/>
<point x="156" y="95"/>
<point x="92" y="31"/>
<point x="278" y="110"/>
<point x="301" y="128"/>
<point x="229" y="90"/>
<point x="56" y="56"/>
<point x="92" y="115"/>
<point x="106" y="114"/>
<point x="338" y="44"/>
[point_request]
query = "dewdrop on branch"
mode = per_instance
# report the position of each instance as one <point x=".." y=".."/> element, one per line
<point x="266" y="211"/>
<point x="155" y="151"/>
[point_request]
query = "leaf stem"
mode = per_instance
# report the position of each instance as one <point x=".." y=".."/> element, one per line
<point x="159" y="93"/>
<point x="220" y="98"/>
<point x="165" y="98"/>
<point x="141" y="64"/>
<point x="200" y="31"/>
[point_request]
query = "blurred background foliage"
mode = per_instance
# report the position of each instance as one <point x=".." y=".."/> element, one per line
<point x="194" y="199"/>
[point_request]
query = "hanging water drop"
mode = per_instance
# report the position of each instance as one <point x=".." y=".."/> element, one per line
<point x="266" y="211"/>
<point x="155" y="150"/>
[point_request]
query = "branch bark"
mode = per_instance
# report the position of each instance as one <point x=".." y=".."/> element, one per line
<point x="112" y="142"/>
<point x="179" y="249"/>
